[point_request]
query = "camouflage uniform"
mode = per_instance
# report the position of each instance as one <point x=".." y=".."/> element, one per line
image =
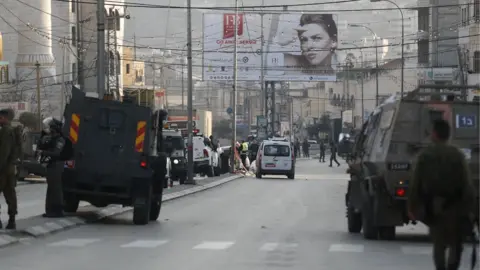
<point x="7" y="172"/>
<point x="443" y="193"/>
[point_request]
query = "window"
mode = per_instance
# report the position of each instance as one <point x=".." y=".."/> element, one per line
<point x="127" y="69"/>
<point x="277" y="150"/>
<point x="476" y="10"/>
<point x="476" y="62"/>
<point x="74" y="36"/>
<point x="74" y="72"/>
<point x="112" y="118"/>
<point x="74" y="5"/>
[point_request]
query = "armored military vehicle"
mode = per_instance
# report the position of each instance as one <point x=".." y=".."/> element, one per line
<point x="385" y="151"/>
<point x="118" y="156"/>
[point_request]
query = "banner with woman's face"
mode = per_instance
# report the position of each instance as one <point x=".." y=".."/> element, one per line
<point x="296" y="47"/>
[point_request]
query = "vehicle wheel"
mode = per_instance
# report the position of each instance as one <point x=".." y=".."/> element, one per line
<point x="182" y="179"/>
<point x="155" y="208"/>
<point x="387" y="233"/>
<point x="210" y="171"/>
<point x="291" y="176"/>
<point x="354" y="220"/>
<point x="141" y="213"/>
<point x="370" y="231"/>
<point x="216" y="171"/>
<point x="70" y="203"/>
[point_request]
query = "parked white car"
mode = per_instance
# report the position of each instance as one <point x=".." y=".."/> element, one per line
<point x="205" y="160"/>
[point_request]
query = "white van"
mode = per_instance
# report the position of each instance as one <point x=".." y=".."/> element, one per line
<point x="275" y="158"/>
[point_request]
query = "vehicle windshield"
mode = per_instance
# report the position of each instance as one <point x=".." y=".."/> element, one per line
<point x="277" y="150"/>
<point x="174" y="143"/>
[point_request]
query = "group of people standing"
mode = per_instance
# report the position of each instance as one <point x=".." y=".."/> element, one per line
<point x="11" y="156"/>
<point x="301" y="149"/>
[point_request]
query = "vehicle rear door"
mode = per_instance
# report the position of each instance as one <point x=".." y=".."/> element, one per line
<point x="108" y="141"/>
<point x="276" y="157"/>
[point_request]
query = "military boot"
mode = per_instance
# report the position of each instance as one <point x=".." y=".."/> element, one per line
<point x="11" y="225"/>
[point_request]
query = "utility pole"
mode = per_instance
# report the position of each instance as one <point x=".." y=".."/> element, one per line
<point x="234" y="92"/>
<point x="39" y="102"/>
<point x="134" y="47"/>
<point x="101" y="48"/>
<point x="64" y="88"/>
<point x="80" y="48"/>
<point x="462" y="74"/>
<point x="262" y="66"/>
<point x="190" y="95"/>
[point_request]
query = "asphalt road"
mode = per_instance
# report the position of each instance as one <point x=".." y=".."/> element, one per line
<point x="272" y="223"/>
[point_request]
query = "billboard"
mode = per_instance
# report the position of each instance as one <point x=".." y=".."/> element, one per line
<point x="297" y="47"/>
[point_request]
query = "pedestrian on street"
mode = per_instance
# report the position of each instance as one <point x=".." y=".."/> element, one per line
<point x="55" y="165"/>
<point x="297" y="148"/>
<point x="442" y="190"/>
<point x="333" y="154"/>
<point x="306" y="147"/>
<point x="322" y="151"/>
<point x="7" y="167"/>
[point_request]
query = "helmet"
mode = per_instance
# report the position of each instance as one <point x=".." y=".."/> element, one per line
<point x="51" y="123"/>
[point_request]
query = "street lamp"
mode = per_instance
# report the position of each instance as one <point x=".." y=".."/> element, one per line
<point x="376" y="56"/>
<point x="403" y="37"/>
<point x="361" y="55"/>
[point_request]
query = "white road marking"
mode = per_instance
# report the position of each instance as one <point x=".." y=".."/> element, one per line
<point x="145" y="244"/>
<point x="268" y="247"/>
<point x="74" y="242"/>
<point x="323" y="176"/>
<point x="416" y="250"/>
<point x="214" y="245"/>
<point x="345" y="248"/>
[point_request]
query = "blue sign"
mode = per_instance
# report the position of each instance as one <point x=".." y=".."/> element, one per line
<point x="229" y="110"/>
<point x="466" y="121"/>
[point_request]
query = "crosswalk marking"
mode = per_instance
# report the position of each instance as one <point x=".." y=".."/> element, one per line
<point x="346" y="248"/>
<point x="145" y="244"/>
<point x="323" y="176"/>
<point x="420" y="249"/>
<point x="214" y="245"/>
<point x="416" y="250"/>
<point x="74" y="242"/>
<point x="268" y="247"/>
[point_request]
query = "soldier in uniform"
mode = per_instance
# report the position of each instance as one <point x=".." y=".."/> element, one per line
<point x="443" y="192"/>
<point x="55" y="165"/>
<point x="322" y="151"/>
<point x="7" y="167"/>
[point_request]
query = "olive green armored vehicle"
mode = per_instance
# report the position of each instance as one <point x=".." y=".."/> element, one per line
<point x="385" y="151"/>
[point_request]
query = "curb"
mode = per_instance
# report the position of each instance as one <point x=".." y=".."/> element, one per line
<point x="69" y="222"/>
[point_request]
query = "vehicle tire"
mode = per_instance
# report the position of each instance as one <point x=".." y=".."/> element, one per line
<point x="141" y="213"/>
<point x="354" y="220"/>
<point x="216" y="171"/>
<point x="291" y="176"/>
<point x="182" y="179"/>
<point x="370" y="231"/>
<point x="210" y="171"/>
<point x="155" y="208"/>
<point x="70" y="203"/>
<point x="387" y="233"/>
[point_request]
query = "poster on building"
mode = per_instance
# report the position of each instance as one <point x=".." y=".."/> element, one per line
<point x="297" y="47"/>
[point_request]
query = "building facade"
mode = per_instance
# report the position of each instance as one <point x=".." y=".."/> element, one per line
<point x="469" y="40"/>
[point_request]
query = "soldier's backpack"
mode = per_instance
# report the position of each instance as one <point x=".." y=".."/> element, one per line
<point x="68" y="151"/>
